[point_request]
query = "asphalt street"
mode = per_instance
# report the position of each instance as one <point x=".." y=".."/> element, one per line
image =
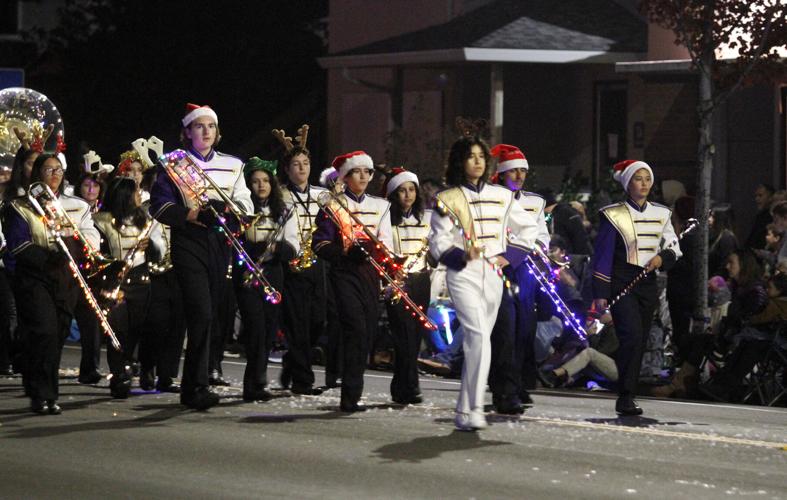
<point x="568" y="445"/>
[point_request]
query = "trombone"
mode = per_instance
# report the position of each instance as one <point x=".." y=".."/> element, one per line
<point x="399" y="293"/>
<point x="184" y="172"/>
<point x="57" y="220"/>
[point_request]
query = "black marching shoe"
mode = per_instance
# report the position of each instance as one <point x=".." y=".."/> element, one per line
<point x="627" y="406"/>
<point x="54" y="408"/>
<point x="257" y="395"/>
<point x="120" y="384"/>
<point x="305" y="391"/>
<point x="413" y="399"/>
<point x="216" y="379"/>
<point x="201" y="399"/>
<point x="525" y="399"/>
<point x="39" y="406"/>
<point x="147" y="380"/>
<point x="508" y="405"/>
<point x="91" y="378"/>
<point x="167" y="386"/>
<point x="352" y="407"/>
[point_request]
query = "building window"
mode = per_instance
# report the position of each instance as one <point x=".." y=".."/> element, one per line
<point x="9" y="17"/>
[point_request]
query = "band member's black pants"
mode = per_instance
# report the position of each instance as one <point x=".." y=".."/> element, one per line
<point x="260" y="324"/>
<point x="407" y="332"/>
<point x="503" y="373"/>
<point x="166" y="324"/>
<point x="201" y="274"/>
<point x="357" y="290"/>
<point x="303" y="292"/>
<point x="334" y="361"/>
<point x="45" y="306"/>
<point x="127" y="319"/>
<point x="89" y="337"/>
<point x="632" y="316"/>
<point x="7" y="318"/>
<point x="526" y="324"/>
<point x="223" y="327"/>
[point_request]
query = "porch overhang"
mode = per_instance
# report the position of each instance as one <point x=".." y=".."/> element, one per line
<point x="472" y="54"/>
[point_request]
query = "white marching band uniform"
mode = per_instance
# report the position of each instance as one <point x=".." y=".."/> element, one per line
<point x="488" y="213"/>
<point x="306" y="206"/>
<point x="121" y="240"/>
<point x="534" y="204"/>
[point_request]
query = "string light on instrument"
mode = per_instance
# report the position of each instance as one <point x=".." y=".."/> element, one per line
<point x="46" y="205"/>
<point x="416" y="310"/>
<point x="498" y="270"/>
<point x="186" y="174"/>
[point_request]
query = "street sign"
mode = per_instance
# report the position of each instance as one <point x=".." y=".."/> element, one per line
<point x="12" y="77"/>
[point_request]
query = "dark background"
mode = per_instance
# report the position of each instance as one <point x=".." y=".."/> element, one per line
<point x="125" y="69"/>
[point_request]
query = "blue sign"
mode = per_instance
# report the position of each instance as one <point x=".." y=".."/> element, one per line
<point x="12" y="77"/>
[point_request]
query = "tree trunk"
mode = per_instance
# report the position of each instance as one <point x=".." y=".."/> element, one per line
<point x="705" y="163"/>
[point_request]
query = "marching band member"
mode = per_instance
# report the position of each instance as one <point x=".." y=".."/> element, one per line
<point x="90" y="187"/>
<point x="410" y="238"/>
<point x="125" y="228"/>
<point x="7" y="307"/>
<point x="136" y="162"/>
<point x="304" y="279"/>
<point x="470" y="234"/>
<point x="631" y="237"/>
<point x="329" y="179"/>
<point x="165" y="321"/>
<point x="45" y="291"/>
<point x="515" y="330"/>
<point x="265" y="244"/>
<point x="200" y="254"/>
<point x="357" y="285"/>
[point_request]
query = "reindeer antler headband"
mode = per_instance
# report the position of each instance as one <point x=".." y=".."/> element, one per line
<point x="470" y="127"/>
<point x="301" y="137"/>
<point x="38" y="139"/>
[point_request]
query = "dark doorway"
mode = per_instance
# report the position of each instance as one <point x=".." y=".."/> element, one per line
<point x="610" y="124"/>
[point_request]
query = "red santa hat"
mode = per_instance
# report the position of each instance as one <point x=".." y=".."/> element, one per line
<point x="194" y="111"/>
<point x="625" y="170"/>
<point x="399" y="177"/>
<point x="344" y="164"/>
<point x="509" y="157"/>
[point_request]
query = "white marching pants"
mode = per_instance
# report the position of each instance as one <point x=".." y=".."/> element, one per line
<point x="476" y="292"/>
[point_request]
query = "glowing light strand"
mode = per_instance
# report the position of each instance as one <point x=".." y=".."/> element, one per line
<point x="416" y="311"/>
<point x="39" y="190"/>
<point x="691" y="224"/>
<point x="189" y="174"/>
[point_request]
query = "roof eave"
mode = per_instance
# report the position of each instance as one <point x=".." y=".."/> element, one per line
<point x="472" y="54"/>
<point x="672" y="66"/>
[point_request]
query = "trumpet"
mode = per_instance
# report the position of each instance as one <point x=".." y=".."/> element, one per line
<point x="57" y="220"/>
<point x="112" y="295"/>
<point x="395" y="287"/>
<point x="184" y="172"/>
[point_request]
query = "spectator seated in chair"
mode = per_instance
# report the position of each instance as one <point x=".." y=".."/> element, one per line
<point x="752" y="343"/>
